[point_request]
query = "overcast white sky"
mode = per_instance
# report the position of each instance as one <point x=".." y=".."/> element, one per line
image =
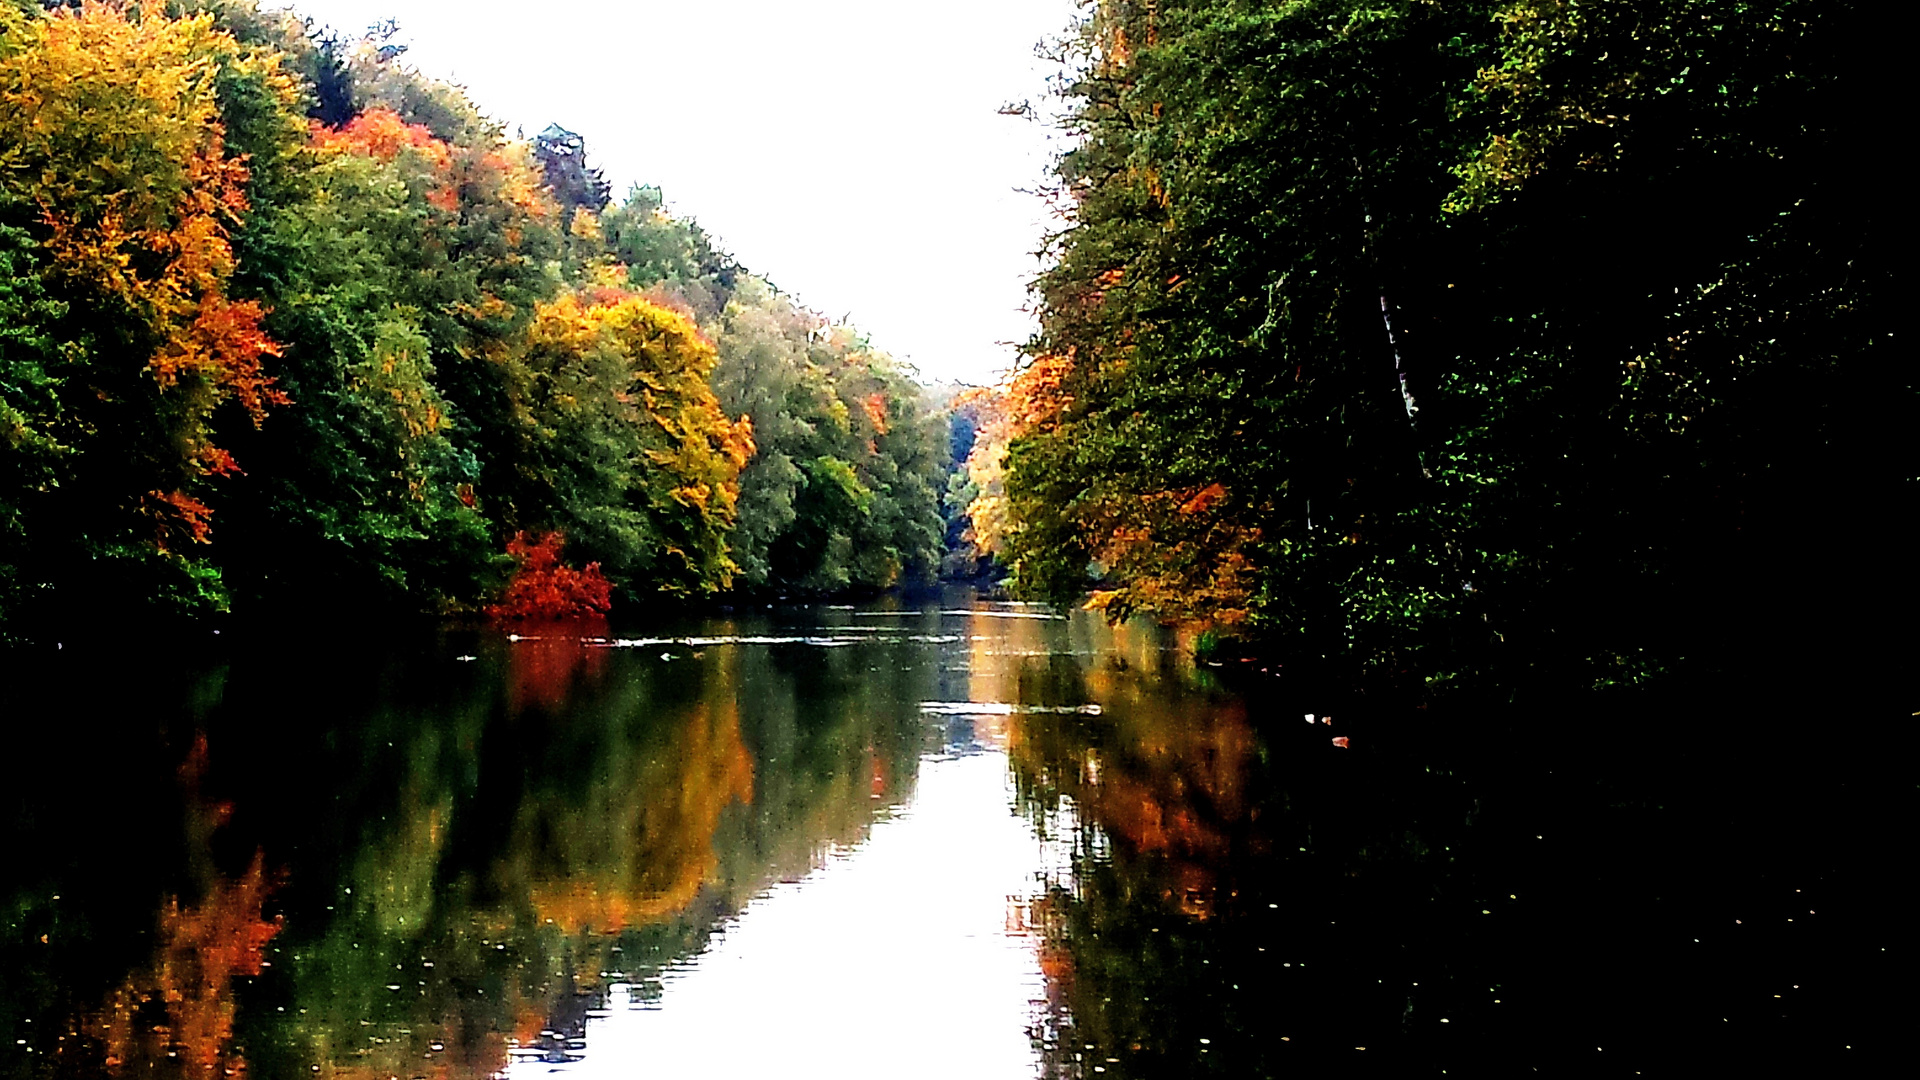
<point x="850" y="150"/>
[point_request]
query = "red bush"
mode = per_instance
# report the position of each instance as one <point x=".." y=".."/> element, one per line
<point x="545" y="588"/>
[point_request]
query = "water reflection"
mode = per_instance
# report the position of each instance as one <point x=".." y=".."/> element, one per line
<point x="969" y="839"/>
<point x="900" y="958"/>
<point x="354" y="861"/>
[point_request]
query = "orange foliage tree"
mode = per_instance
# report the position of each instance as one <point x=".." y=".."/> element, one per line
<point x="543" y="587"/>
<point x="382" y="135"/>
<point x="1182" y="551"/>
<point x="111" y="130"/>
<point x="115" y="162"/>
<point x="1031" y="397"/>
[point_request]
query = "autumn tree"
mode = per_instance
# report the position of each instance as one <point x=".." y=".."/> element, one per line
<point x="844" y="491"/>
<point x="669" y="256"/>
<point x="289" y="324"/>
<point x="115" y="122"/>
<point x="1447" y="341"/>
<point x="639" y="464"/>
<point x="543" y="587"/>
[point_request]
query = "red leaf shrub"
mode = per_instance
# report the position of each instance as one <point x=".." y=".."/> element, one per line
<point x="545" y="588"/>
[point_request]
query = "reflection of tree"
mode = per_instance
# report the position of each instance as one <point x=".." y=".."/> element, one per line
<point x="641" y="846"/>
<point x="462" y="851"/>
<point x="1160" y="778"/>
<point x="837" y="745"/>
<point x="597" y="810"/>
<point x="488" y="884"/>
<point x="542" y="668"/>
<point x="1177" y="795"/>
<point x="203" y="950"/>
<point x="1158" y="790"/>
<point x="174" y="1014"/>
<point x="1238" y="901"/>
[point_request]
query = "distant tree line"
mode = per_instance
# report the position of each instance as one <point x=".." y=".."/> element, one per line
<point x="286" y="326"/>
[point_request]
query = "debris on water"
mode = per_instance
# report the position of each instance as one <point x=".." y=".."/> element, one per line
<point x="1340" y="741"/>
<point x="1000" y="708"/>
<point x="731" y="639"/>
<point x="1309" y="718"/>
<point x="983" y="612"/>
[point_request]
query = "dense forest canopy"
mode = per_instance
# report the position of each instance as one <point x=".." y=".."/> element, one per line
<point x="286" y="325"/>
<point x="1470" y="343"/>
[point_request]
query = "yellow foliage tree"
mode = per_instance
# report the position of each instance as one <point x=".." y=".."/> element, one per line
<point x="111" y="131"/>
<point x="1030" y="398"/>
<point x="622" y="388"/>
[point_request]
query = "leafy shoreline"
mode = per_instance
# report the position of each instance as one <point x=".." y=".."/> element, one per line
<point x="1473" y="347"/>
<point x="291" y="327"/>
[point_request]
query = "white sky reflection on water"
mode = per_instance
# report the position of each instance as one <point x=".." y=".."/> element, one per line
<point x="892" y="960"/>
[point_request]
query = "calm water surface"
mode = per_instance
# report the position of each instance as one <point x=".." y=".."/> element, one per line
<point x="960" y="839"/>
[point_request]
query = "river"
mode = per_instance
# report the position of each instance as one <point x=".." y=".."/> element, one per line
<point x="961" y="838"/>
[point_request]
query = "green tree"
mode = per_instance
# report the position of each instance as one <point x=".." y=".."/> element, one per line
<point x="1385" y="333"/>
<point x="359" y="492"/>
<point x="31" y="364"/>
